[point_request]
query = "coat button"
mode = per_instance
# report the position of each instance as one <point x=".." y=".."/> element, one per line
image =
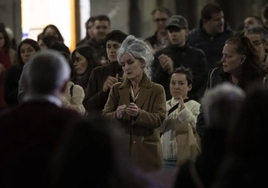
<point x="134" y="141"/>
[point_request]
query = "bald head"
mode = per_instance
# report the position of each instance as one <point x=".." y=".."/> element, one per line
<point x="47" y="73"/>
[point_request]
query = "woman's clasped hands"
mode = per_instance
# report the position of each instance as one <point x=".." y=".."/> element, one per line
<point x="132" y="109"/>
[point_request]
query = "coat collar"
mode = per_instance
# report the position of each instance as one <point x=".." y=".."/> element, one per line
<point x="145" y="83"/>
<point x="145" y="91"/>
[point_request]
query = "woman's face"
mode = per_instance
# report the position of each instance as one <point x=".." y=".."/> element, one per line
<point x="179" y="86"/>
<point x="42" y="45"/>
<point x="2" y="40"/>
<point x="231" y="60"/>
<point x="80" y="63"/>
<point x="51" y="32"/>
<point x="90" y="27"/>
<point x="111" y="49"/>
<point x="26" y="52"/>
<point x="132" y="67"/>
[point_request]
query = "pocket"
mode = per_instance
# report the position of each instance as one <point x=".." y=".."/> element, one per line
<point x="151" y="147"/>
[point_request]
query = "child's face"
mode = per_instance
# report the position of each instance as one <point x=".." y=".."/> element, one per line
<point x="179" y="86"/>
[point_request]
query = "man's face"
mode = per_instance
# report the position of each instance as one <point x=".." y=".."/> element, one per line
<point x="216" y="24"/>
<point x="258" y="44"/>
<point x="160" y="20"/>
<point x="177" y="35"/>
<point x="101" y="29"/>
<point x="251" y="22"/>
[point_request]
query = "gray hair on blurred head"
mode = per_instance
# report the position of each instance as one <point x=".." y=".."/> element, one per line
<point x="138" y="49"/>
<point x="47" y="72"/>
<point x="221" y="104"/>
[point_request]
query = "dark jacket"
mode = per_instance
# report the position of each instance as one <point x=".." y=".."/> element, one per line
<point x="28" y="136"/>
<point x="215" y="77"/>
<point x="11" y="85"/>
<point x="99" y="48"/>
<point x="211" y="46"/>
<point x="152" y="39"/>
<point x="187" y="57"/>
<point x="96" y="98"/>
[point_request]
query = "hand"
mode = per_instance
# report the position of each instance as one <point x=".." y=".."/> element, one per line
<point x="109" y="82"/>
<point x="182" y="105"/>
<point x="166" y="63"/>
<point x="120" y="111"/>
<point x="132" y="110"/>
<point x="156" y="48"/>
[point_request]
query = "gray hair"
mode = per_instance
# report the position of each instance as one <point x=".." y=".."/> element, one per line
<point x="138" y="49"/>
<point x="258" y="31"/>
<point x="47" y="72"/>
<point x="221" y="103"/>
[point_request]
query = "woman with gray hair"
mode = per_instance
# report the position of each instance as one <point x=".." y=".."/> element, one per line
<point x="138" y="104"/>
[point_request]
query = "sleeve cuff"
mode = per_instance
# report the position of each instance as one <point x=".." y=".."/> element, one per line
<point x="185" y="115"/>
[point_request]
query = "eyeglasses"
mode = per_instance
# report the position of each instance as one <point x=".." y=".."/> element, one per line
<point x="160" y="20"/>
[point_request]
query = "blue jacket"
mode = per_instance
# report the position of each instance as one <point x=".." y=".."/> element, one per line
<point x="211" y="46"/>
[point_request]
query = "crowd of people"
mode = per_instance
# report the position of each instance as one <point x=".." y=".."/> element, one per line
<point x="182" y="108"/>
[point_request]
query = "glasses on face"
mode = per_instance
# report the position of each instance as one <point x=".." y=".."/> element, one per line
<point x="160" y="20"/>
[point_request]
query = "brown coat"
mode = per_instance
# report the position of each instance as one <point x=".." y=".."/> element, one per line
<point x="96" y="98"/>
<point x="142" y="136"/>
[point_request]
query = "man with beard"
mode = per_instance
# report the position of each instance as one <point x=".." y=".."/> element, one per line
<point x="210" y="37"/>
<point x="101" y="29"/>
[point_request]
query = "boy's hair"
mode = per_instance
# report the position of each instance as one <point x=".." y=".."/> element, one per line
<point x="187" y="72"/>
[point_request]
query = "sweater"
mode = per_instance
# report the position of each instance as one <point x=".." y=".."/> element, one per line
<point x="73" y="98"/>
<point x="173" y="122"/>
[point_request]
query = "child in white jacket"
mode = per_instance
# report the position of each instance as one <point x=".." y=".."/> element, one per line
<point x="182" y="112"/>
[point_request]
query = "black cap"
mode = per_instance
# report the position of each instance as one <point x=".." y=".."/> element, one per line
<point x="177" y="21"/>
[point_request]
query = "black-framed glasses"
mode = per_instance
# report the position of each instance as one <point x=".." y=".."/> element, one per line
<point x="160" y="20"/>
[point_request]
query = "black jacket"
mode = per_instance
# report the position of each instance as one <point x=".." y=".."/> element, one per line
<point x="187" y="57"/>
<point x="99" y="48"/>
<point x="215" y="77"/>
<point x="211" y="46"/>
<point x="11" y="85"/>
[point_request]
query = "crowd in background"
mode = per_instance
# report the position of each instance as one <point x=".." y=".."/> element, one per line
<point x="181" y="108"/>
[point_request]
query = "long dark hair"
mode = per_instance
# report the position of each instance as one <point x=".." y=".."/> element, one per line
<point x="90" y="54"/>
<point x="251" y="69"/>
<point x="91" y="19"/>
<point x="6" y="38"/>
<point x="49" y="40"/>
<point x="32" y="43"/>
<point x="60" y="38"/>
